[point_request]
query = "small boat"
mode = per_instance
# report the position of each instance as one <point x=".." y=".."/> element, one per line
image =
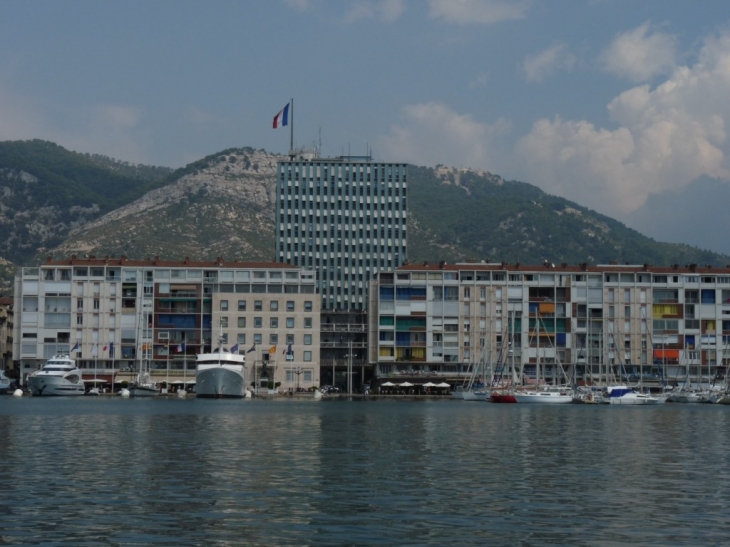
<point x="503" y="396"/>
<point x="144" y="386"/>
<point x="556" y="396"/>
<point x="4" y="382"/>
<point x="59" y="376"/>
<point x="623" y="395"/>
<point x="220" y="374"/>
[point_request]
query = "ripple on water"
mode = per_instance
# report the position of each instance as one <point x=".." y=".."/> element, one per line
<point x="125" y="472"/>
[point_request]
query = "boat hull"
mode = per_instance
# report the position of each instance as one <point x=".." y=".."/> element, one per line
<point x="144" y="391"/>
<point x="220" y="381"/>
<point x="503" y="398"/>
<point x="56" y="386"/>
<point x="634" y="399"/>
<point x="544" y="398"/>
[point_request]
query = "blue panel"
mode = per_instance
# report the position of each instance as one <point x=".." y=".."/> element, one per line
<point x="708" y="296"/>
<point x="387" y="293"/>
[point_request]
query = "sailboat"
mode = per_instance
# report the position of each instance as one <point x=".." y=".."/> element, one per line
<point x="143" y="386"/>
<point x="548" y="395"/>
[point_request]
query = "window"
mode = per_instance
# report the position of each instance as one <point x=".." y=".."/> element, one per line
<point x="224" y="305"/>
<point x="290" y="339"/>
<point x="289" y="322"/>
<point x="241" y="305"/>
<point x="257" y="339"/>
<point x="241" y="322"/>
<point x="224" y="338"/>
<point x="96" y="303"/>
<point x="307" y="322"/>
<point x="79" y="303"/>
<point x="274" y="322"/>
<point x="307" y="356"/>
<point x="79" y="319"/>
<point x="290" y="305"/>
<point x="258" y="322"/>
<point x="273" y="338"/>
<point x="307" y="339"/>
<point x="224" y="322"/>
<point x="274" y="305"/>
<point x="308" y="305"/>
<point x="258" y="305"/>
<point x="241" y="339"/>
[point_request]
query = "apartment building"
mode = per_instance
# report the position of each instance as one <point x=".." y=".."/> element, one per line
<point x="559" y="322"/>
<point x="117" y="314"/>
<point x="6" y="332"/>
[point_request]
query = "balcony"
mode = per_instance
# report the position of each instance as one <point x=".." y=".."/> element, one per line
<point x="343" y="327"/>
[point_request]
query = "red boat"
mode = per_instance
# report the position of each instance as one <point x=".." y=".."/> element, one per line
<point x="503" y="397"/>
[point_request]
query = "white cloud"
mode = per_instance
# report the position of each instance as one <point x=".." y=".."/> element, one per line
<point x="385" y="10"/>
<point x="666" y="137"/>
<point x="540" y="66"/>
<point x="640" y="54"/>
<point x="663" y="138"/>
<point x="434" y="133"/>
<point x="464" y="12"/>
<point x="480" y="81"/>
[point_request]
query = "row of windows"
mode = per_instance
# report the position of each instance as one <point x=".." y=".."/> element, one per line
<point x="274" y="339"/>
<point x="258" y="322"/>
<point x="258" y="305"/>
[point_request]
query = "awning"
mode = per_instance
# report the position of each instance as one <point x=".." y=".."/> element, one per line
<point x="666" y="354"/>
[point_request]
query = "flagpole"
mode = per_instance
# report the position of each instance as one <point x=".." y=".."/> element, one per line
<point x="291" y="138"/>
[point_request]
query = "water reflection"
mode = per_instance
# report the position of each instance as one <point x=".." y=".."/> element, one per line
<point x="188" y="472"/>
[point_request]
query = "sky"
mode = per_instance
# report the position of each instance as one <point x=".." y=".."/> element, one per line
<point x="604" y="102"/>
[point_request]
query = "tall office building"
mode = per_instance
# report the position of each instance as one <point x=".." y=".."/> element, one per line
<point x="345" y="219"/>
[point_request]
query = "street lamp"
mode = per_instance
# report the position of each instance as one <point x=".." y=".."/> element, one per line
<point x="298" y="371"/>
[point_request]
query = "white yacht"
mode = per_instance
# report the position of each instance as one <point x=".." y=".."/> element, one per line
<point x="220" y="374"/>
<point x="624" y="395"/>
<point x="59" y="376"/>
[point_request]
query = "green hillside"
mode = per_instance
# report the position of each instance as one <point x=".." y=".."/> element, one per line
<point x="464" y="215"/>
<point x="47" y="190"/>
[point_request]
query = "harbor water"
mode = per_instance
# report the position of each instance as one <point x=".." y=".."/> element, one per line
<point x="112" y="471"/>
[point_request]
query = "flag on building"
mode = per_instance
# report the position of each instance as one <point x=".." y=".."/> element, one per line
<point x="288" y="350"/>
<point x="272" y="350"/>
<point x="111" y="349"/>
<point x="282" y="118"/>
<point x="180" y="348"/>
<point x="75" y="348"/>
<point x="105" y="347"/>
<point x="234" y="349"/>
<point x="252" y="348"/>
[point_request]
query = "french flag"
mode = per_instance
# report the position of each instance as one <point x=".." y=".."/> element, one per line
<point x="282" y="118"/>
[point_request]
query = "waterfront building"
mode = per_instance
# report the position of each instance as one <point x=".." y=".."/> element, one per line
<point x="344" y="218"/>
<point x="564" y="323"/>
<point x="121" y="314"/>
<point x="6" y="332"/>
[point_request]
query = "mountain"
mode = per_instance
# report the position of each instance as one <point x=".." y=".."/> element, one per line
<point x="696" y="214"/>
<point x="47" y="191"/>
<point x="224" y="205"/>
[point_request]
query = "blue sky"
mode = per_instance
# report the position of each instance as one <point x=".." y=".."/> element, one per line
<point x="601" y="101"/>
